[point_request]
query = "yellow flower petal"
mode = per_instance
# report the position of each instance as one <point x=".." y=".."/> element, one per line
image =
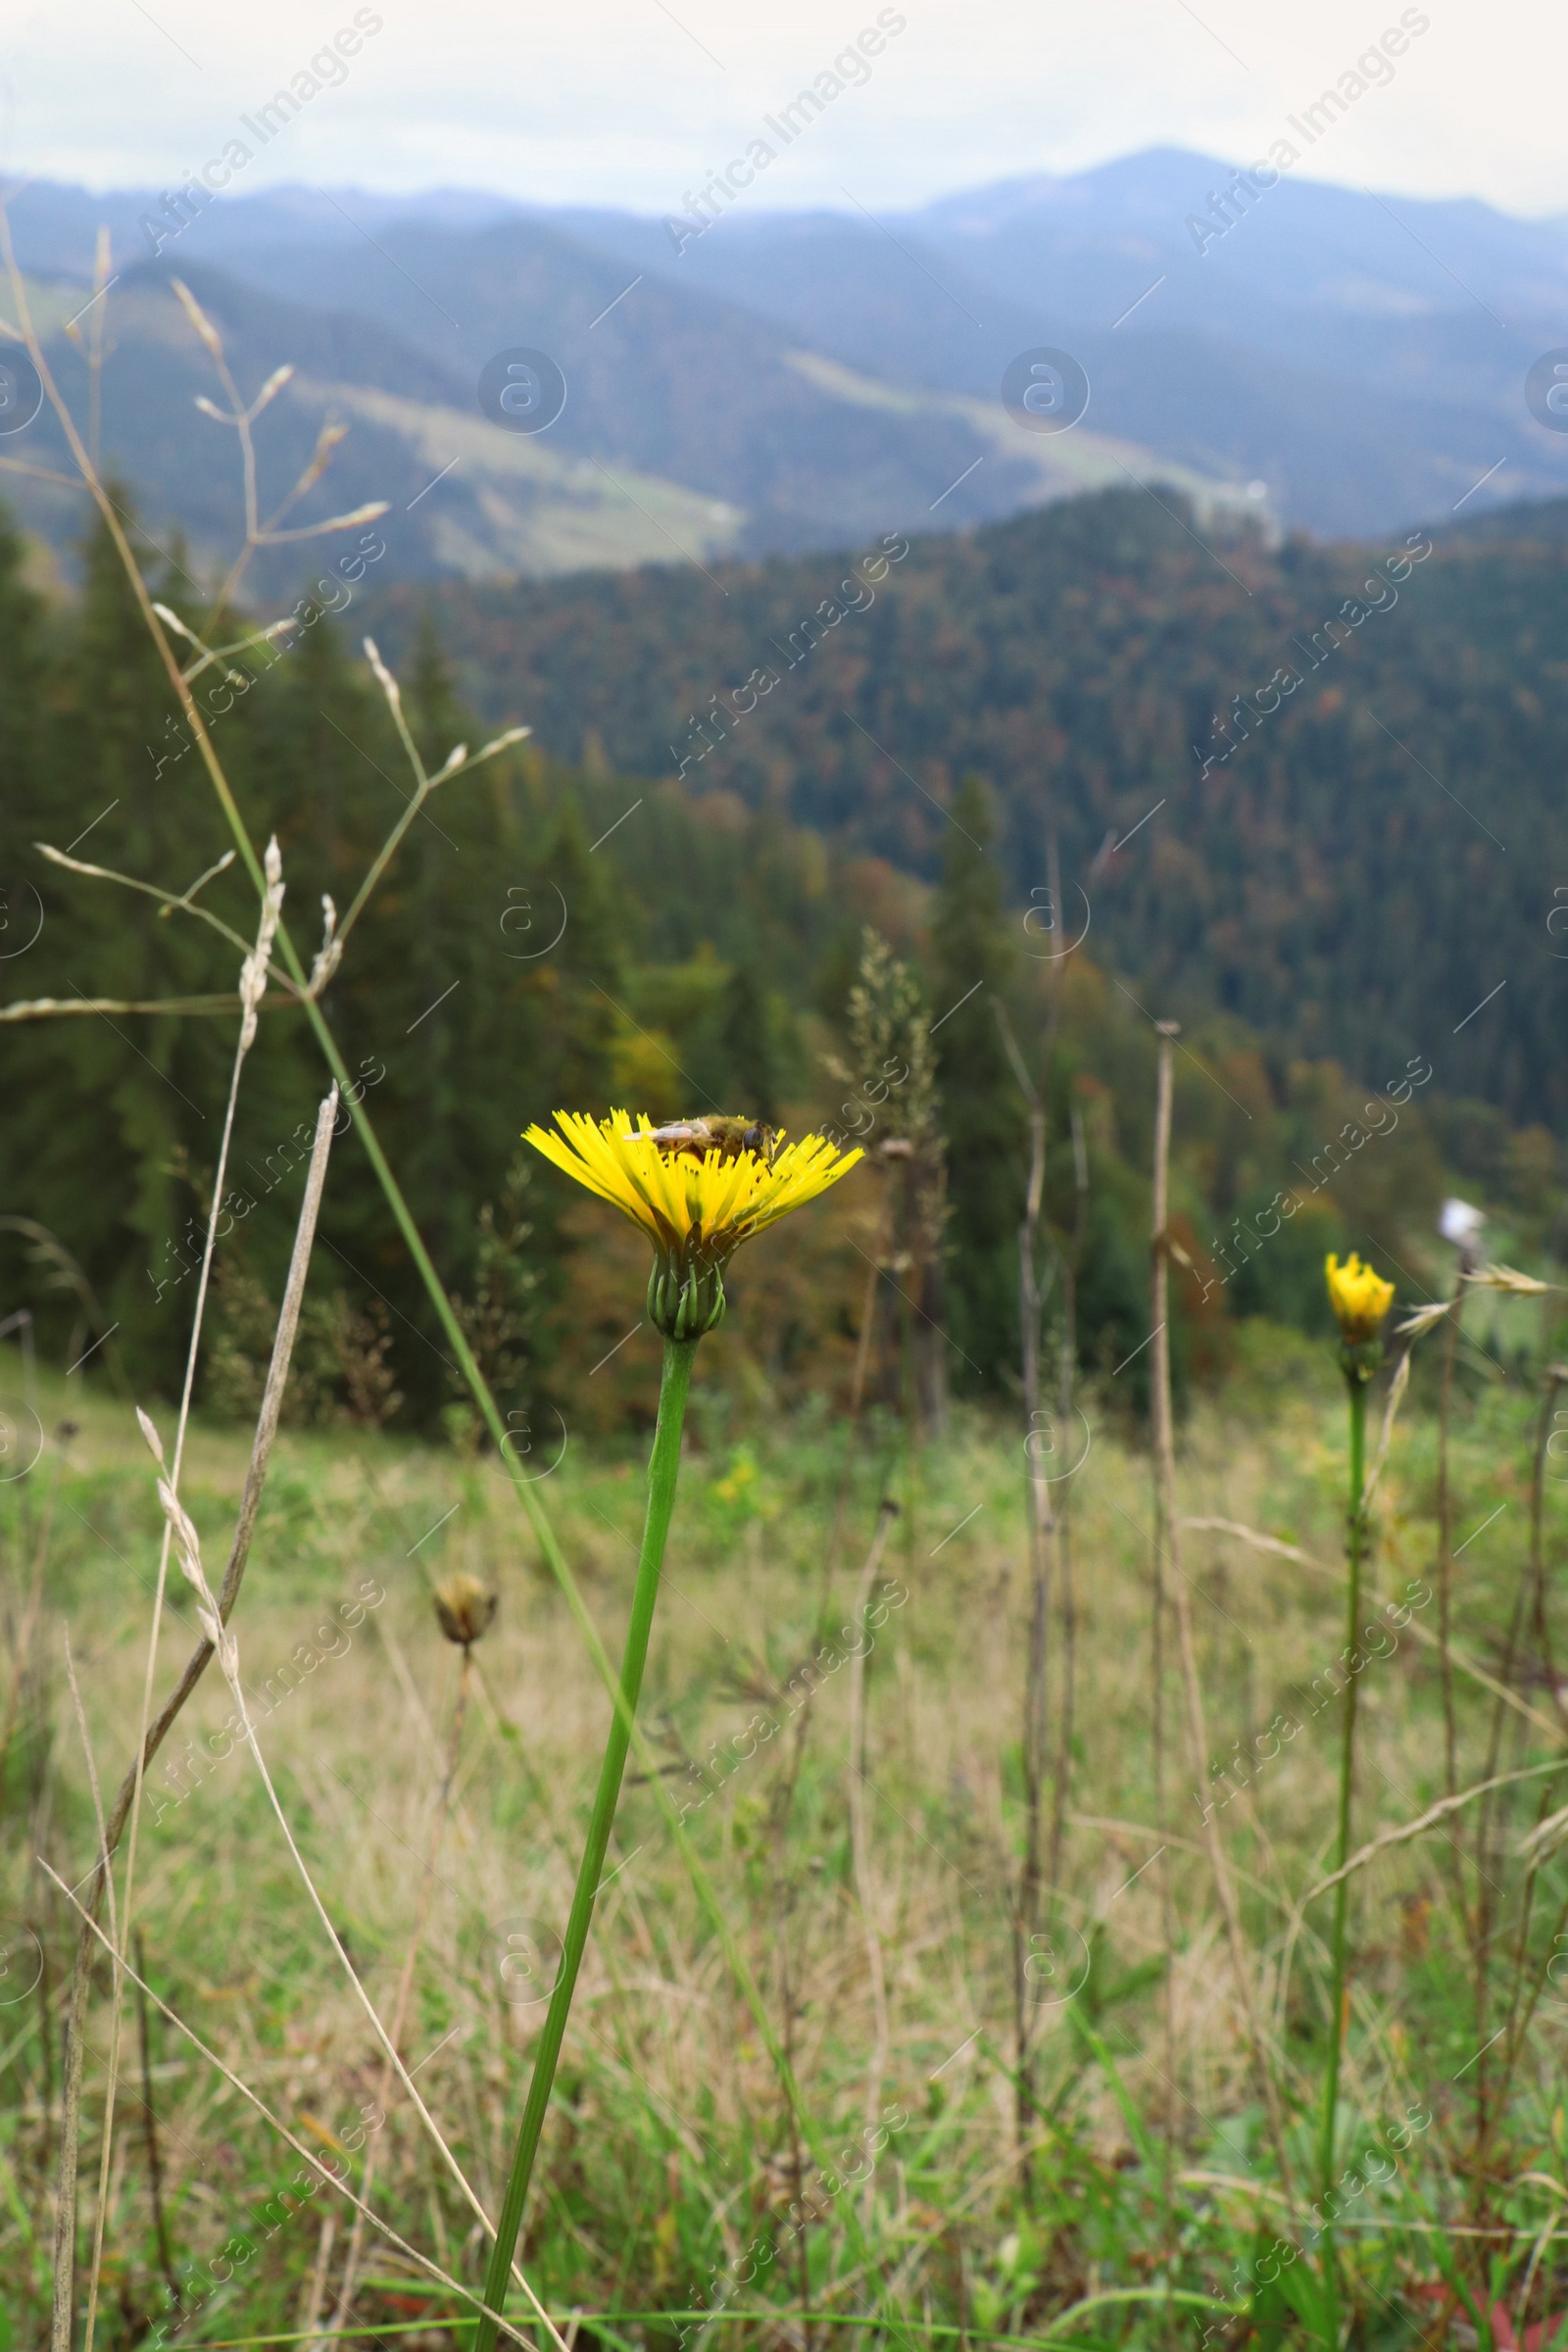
<point x="701" y="1208"/>
<point x="1359" y="1297"/>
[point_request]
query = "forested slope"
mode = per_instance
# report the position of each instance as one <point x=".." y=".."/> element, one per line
<point x="1349" y="861"/>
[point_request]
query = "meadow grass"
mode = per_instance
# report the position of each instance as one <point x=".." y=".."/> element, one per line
<point x="672" y="2178"/>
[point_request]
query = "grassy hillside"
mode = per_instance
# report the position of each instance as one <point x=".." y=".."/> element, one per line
<point x="885" y="1967"/>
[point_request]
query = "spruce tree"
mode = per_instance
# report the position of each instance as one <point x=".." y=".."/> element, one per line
<point x="106" y="1110"/>
<point x="750" y="1044"/>
<point x="974" y="961"/>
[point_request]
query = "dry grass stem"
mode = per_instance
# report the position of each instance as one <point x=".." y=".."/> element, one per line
<point x="421" y="2262"/>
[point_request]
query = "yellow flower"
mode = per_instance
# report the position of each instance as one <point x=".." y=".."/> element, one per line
<point x="695" y="1210"/>
<point x="1359" y="1297"/>
<point x="741" y="1474"/>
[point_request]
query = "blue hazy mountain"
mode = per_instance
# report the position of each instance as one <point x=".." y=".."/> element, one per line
<point x="1347" y="361"/>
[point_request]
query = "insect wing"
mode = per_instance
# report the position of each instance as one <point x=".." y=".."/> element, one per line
<point x="683" y="1135"/>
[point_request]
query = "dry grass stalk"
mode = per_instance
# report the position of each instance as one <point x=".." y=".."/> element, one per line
<point x="430" y="2269"/>
<point x="860" y="1835"/>
<point x="464" y="1611"/>
<point x="1067" y="1366"/>
<point x="188" y="1544"/>
<point x="154" y="1736"/>
<point x="1041" y="1530"/>
<point x="114" y="1933"/>
<point x="252" y="987"/>
<point x="155" y="2168"/>
<point x="1444" y="1561"/>
<point x="1462" y="1662"/>
<point x="1169" y="1537"/>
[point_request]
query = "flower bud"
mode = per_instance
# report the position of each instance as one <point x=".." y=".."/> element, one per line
<point x="465" y="1609"/>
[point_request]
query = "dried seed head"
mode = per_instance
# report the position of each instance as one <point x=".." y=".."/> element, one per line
<point x="253" y="971"/>
<point x="330" y="954"/>
<point x="465" y="1609"/>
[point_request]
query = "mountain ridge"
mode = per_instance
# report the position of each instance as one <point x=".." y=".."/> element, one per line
<point x="1344" y="361"/>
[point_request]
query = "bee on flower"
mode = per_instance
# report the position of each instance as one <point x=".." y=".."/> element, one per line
<point x="698" y="1188"/>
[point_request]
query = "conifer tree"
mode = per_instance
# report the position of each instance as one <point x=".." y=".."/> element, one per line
<point x="745" y="1066"/>
<point x="21" y="692"/>
<point x="580" y="985"/>
<point x="115" y="1107"/>
<point x="973" y="961"/>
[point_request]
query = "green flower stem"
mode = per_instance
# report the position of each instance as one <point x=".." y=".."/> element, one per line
<point x="662" y="1470"/>
<point x="1355" y="1386"/>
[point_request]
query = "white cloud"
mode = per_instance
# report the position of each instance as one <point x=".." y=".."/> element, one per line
<point x="628" y="102"/>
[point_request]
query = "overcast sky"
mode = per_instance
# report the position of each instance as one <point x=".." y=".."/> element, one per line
<point x="631" y="102"/>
